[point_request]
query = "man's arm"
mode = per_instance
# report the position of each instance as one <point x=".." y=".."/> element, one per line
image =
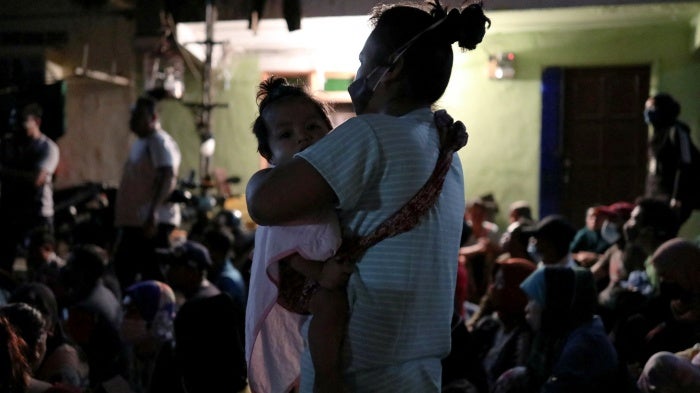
<point x="291" y="193"/>
<point x="162" y="187"/>
<point x="37" y="177"/>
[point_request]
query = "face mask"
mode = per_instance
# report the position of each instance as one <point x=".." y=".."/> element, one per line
<point x="649" y="116"/>
<point x="533" y="252"/>
<point x="362" y="89"/>
<point x="609" y="232"/>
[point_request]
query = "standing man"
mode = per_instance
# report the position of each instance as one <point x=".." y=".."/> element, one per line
<point x="29" y="159"/>
<point x="673" y="158"/>
<point x="143" y="214"/>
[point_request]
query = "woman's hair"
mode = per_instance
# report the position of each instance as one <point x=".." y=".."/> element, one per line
<point x="29" y="323"/>
<point x="274" y="90"/>
<point x="15" y="370"/>
<point x="41" y="297"/>
<point x="427" y="63"/>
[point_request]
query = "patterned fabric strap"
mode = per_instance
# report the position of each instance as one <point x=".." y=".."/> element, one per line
<point x="453" y="136"/>
<point x="295" y="290"/>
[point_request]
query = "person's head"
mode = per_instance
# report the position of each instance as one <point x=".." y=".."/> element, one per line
<point x="43" y="299"/>
<point x="594" y="218"/>
<point x="406" y="61"/>
<point x="186" y="267"/>
<point x="614" y="217"/>
<point x="514" y="241"/>
<point x="677" y="263"/>
<point x="219" y="242"/>
<point x="290" y="120"/>
<point x="651" y="223"/>
<point x="15" y="370"/>
<point x="519" y="210"/>
<point x="552" y="237"/>
<point x="661" y="110"/>
<point x="559" y="298"/>
<point x="30" y="119"/>
<point x="40" y="248"/>
<point x="476" y="211"/>
<point x="31" y="326"/>
<point x="149" y="311"/>
<point x="144" y="118"/>
<point x="505" y="292"/>
<point x="85" y="266"/>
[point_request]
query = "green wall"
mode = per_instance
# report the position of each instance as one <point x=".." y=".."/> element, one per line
<point x="236" y="148"/>
<point x="502" y="116"/>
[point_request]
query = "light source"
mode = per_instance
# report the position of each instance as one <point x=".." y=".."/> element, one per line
<point x="501" y="66"/>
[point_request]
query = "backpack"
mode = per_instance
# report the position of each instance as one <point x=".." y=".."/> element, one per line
<point x="686" y="185"/>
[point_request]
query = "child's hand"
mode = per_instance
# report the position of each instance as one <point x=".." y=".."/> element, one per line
<point x="453" y="135"/>
<point x="335" y="273"/>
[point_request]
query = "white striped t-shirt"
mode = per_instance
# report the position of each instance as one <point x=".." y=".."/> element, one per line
<point x="401" y="294"/>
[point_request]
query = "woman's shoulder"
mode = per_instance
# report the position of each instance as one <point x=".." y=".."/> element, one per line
<point x="66" y="361"/>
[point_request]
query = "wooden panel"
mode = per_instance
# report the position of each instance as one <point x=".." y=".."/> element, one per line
<point x="604" y="137"/>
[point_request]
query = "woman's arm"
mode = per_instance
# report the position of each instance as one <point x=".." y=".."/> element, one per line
<point x="291" y="193"/>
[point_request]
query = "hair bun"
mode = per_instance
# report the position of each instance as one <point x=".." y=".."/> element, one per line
<point x="467" y="27"/>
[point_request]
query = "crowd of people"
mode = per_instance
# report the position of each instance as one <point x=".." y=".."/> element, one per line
<point x="368" y="273"/>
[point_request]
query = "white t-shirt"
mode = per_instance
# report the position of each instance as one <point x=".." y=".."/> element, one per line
<point x="135" y="191"/>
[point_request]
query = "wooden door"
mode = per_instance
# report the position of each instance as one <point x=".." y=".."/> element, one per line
<point x="604" y="137"/>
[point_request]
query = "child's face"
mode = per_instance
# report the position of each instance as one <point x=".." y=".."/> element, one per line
<point x="294" y="124"/>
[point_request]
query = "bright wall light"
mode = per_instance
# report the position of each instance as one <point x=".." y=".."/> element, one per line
<point x="501" y="66"/>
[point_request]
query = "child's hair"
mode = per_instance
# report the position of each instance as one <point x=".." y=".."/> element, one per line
<point x="274" y="90"/>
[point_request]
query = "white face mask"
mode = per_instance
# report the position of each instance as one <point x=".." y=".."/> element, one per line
<point x="533" y="252"/>
<point x="610" y="232"/>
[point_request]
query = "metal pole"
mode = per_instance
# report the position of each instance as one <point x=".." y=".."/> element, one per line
<point x="205" y="126"/>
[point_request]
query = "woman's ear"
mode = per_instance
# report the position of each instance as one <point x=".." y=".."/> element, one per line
<point x="395" y="70"/>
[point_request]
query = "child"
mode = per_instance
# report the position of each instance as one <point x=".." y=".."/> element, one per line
<point x="288" y="278"/>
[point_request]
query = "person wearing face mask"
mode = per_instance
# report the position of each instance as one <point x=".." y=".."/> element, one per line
<point x="549" y="241"/>
<point x="401" y="291"/>
<point x="147" y="326"/>
<point x="673" y="172"/>
<point x="614" y="266"/>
